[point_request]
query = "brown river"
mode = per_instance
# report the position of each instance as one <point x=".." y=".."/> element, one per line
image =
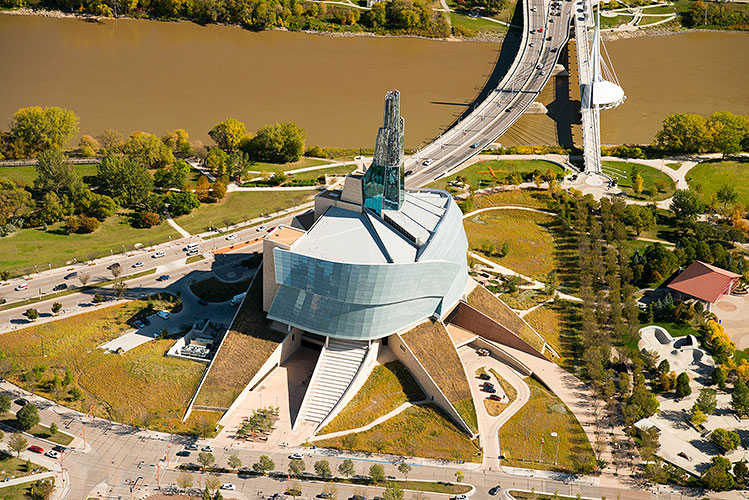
<point x="154" y="76"/>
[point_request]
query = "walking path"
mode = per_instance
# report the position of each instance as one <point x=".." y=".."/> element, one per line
<point x="373" y="423"/>
<point x="178" y="228"/>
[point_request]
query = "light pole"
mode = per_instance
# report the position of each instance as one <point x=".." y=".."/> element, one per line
<point x="556" y="454"/>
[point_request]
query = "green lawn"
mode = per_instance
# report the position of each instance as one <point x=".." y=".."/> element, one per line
<point x="215" y="290"/>
<point x="658" y="10"/>
<point x="533" y="198"/>
<point x="481" y="180"/>
<point x="285" y="167"/>
<point x="710" y="176"/>
<point x="419" y="431"/>
<point x="674" y="165"/>
<point x="612" y="22"/>
<point x="524" y="299"/>
<point x="389" y="386"/>
<point x="19" y="491"/>
<point x="559" y="323"/>
<point x="677" y="330"/>
<point x="141" y="385"/>
<point x="240" y="206"/>
<point x="314" y="174"/>
<point x="647" y="20"/>
<point x="621" y="171"/>
<point x="59" y="437"/>
<point x="476" y="23"/>
<point x="528" y="235"/>
<point x="484" y="301"/>
<point x="24" y="249"/>
<point x="24" y="176"/>
<point x="544" y="413"/>
<point x="11" y="466"/>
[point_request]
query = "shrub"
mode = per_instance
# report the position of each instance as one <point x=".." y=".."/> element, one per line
<point x="32" y="314"/>
<point x="89" y="224"/>
<point x="316" y="152"/>
<point x="149" y="219"/>
<point x="725" y="440"/>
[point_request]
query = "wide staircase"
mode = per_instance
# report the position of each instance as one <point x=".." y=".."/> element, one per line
<point x="336" y="367"/>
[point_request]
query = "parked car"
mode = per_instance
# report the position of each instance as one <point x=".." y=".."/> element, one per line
<point x="22" y="401"/>
<point x="357" y="497"/>
<point x="193" y="447"/>
<point x="490" y="390"/>
<point x="228" y="486"/>
<point x="52" y="454"/>
<point x="207" y="448"/>
<point x="459" y="497"/>
<point x="70" y="275"/>
<point x="146" y="321"/>
<point x="260" y="228"/>
<point x="427" y="162"/>
<point x="192" y="252"/>
<point x="325" y="494"/>
<point x="183" y="453"/>
<point x="163" y="277"/>
<point x="36" y="449"/>
<point x="231" y="237"/>
<point x="138" y="264"/>
<point x="494" y="397"/>
<point x="495" y="490"/>
<point x="483" y="352"/>
<point x="163" y="314"/>
<point x="61" y="286"/>
<point x="60" y="448"/>
<point x="295" y="456"/>
<point x="484" y="376"/>
<point x="138" y="324"/>
<point x="190" y="247"/>
<point x="22" y="286"/>
<point x="158" y="255"/>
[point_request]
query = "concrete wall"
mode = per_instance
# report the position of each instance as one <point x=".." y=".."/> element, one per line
<point x="284" y="351"/>
<point x="498" y="353"/>
<point x="365" y="369"/>
<point x="427" y="384"/>
<point x="474" y="321"/>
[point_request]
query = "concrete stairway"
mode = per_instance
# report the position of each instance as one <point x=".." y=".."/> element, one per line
<point x="336" y="368"/>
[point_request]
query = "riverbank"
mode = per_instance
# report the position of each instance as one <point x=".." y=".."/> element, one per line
<point x="479" y="37"/>
<point x="668" y="29"/>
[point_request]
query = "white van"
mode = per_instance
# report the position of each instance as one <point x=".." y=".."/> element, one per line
<point x="190" y="246"/>
<point x="158" y="255"/>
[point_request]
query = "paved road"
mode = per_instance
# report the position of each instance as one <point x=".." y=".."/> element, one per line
<point x="531" y="70"/>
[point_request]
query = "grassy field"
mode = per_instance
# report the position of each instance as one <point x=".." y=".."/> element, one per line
<point x="314" y="174"/>
<point x="432" y="346"/>
<point x="485" y="302"/>
<point x="24" y="176"/>
<point x="285" y="167"/>
<point x="528" y="235"/>
<point x="247" y="345"/>
<point x="389" y="386"/>
<point x="658" y="10"/>
<point x="141" y="385"/>
<point x="420" y="431"/>
<point x="677" y="330"/>
<point x="558" y="322"/>
<point x="502" y="169"/>
<point x="674" y="165"/>
<point x="215" y="290"/>
<point x="533" y="198"/>
<point x="612" y="22"/>
<point x="711" y="176"/>
<point x="19" y="491"/>
<point x="15" y="467"/>
<point x="59" y="437"/>
<point x="240" y="206"/>
<point x="524" y="299"/>
<point x="621" y="171"/>
<point x="24" y="249"/>
<point x="543" y="414"/>
<point x="476" y="23"/>
<point x="525" y="495"/>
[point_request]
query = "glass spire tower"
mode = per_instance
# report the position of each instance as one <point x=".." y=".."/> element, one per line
<point x="384" y="186"/>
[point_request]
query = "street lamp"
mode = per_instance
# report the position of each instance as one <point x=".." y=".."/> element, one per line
<point x="556" y="454"/>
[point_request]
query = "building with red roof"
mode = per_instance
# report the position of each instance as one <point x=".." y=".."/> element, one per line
<point x="704" y="282"/>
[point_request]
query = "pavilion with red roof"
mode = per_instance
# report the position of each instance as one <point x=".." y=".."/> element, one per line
<point x="704" y="282"/>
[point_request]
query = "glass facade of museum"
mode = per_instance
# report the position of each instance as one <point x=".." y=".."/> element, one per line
<point x="369" y="301"/>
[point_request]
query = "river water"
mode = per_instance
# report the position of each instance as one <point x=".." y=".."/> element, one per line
<point x="146" y="75"/>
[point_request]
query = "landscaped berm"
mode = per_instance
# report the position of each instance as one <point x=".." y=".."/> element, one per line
<point x="388" y="386"/>
<point x="432" y="346"/>
<point x="248" y="344"/>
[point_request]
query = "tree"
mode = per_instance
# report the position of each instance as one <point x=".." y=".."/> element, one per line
<point x="31" y="313"/>
<point x="148" y="150"/>
<point x="346" y="467"/>
<point x="279" y="143"/>
<point x="404" y="469"/>
<point x="56" y="308"/>
<point x="111" y="140"/>
<point x="206" y="459"/>
<point x="331" y="491"/>
<point x="182" y="203"/>
<point x="217" y="161"/>
<point x="173" y="176"/>
<point x="727" y="132"/>
<point x="263" y="465"/>
<point x="686" y="205"/>
<point x="296" y="467"/>
<point x="229" y="134"/>
<point x="83" y="278"/>
<point x="123" y="178"/>
<point x="322" y="468"/>
<point x="393" y="491"/>
<point x="235" y="462"/>
<point x="17" y="443"/>
<point x="717" y="477"/>
<point x="88" y="146"/>
<point x="637" y="181"/>
<point x="377" y="473"/>
<point x="682" y="385"/>
<point x="707" y="401"/>
<point x="119" y="289"/>
<point x="727" y="194"/>
<point x="149" y="219"/>
<point x="4" y="404"/>
<point x="14" y="202"/>
<point x="97" y="205"/>
<point x="212" y="482"/>
<point x="54" y="173"/>
<point x="27" y="417"/>
<point x="53" y="428"/>
<point x="740" y="472"/>
<point x="697" y="417"/>
<point x="740" y="398"/>
<point x="725" y="440"/>
<point x="459" y="476"/>
<point x="640" y="218"/>
<point x="184" y="480"/>
<point x="218" y="191"/>
<point x="88" y="224"/>
<point x="683" y="133"/>
<point x="42" y="489"/>
<point x="34" y="129"/>
<point x="177" y="141"/>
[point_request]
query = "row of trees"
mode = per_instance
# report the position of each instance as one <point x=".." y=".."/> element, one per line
<point x="393" y="16"/>
<point x="722" y="132"/>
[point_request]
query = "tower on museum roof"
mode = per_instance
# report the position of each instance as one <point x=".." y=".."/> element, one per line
<point x="384" y="187"/>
